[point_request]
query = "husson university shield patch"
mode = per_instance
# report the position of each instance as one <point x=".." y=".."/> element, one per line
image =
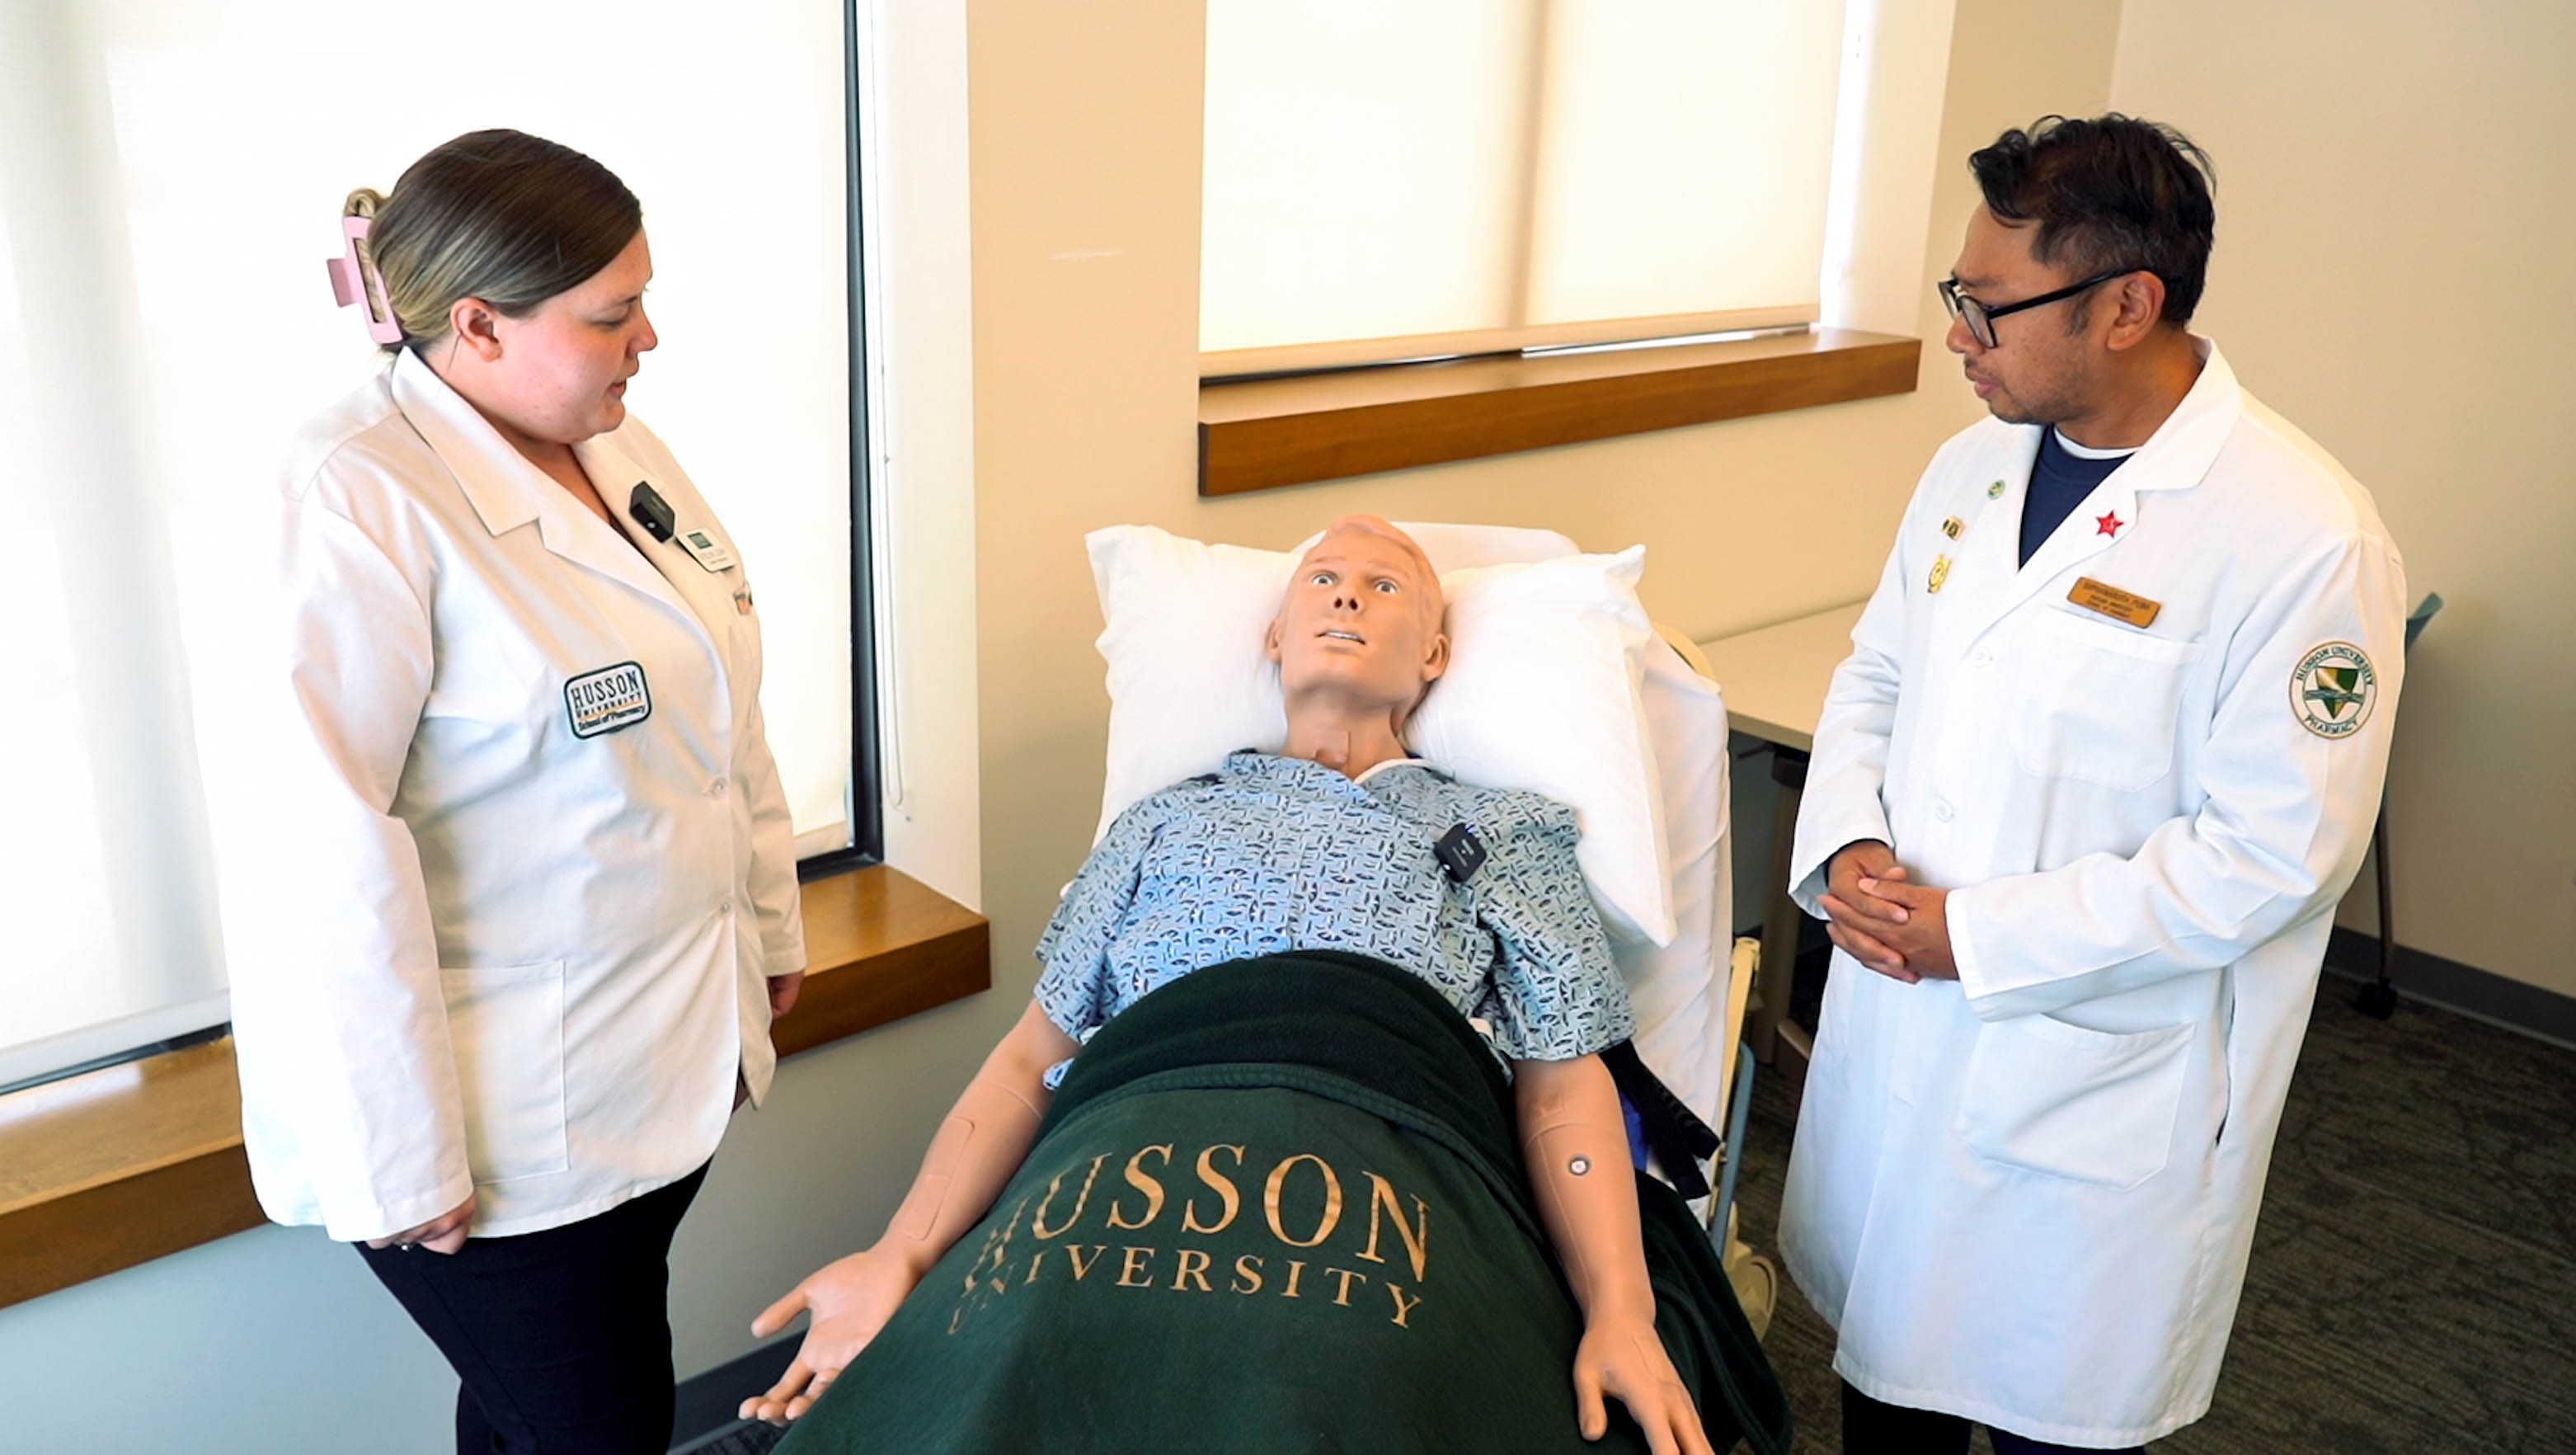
<point x="2333" y="690"/>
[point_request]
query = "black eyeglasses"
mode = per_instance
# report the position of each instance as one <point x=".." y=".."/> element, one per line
<point x="1980" y="317"/>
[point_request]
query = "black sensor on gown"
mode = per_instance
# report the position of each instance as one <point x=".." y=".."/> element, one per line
<point x="1460" y="852"/>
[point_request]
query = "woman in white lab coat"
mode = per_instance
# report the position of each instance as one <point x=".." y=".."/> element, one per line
<point x="520" y="900"/>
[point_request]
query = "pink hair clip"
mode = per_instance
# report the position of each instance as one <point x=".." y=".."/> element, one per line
<point x="349" y="284"/>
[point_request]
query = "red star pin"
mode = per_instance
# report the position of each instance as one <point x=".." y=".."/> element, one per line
<point x="2108" y="525"/>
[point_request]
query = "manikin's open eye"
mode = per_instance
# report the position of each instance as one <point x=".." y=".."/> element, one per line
<point x="1388" y="586"/>
<point x="1321" y="578"/>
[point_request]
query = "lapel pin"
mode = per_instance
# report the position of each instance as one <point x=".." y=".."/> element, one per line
<point x="2108" y="524"/>
<point x="1940" y="573"/>
<point x="1995" y="490"/>
<point x="1953" y="526"/>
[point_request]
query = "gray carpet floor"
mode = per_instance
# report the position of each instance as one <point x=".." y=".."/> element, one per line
<point x="2413" y="1286"/>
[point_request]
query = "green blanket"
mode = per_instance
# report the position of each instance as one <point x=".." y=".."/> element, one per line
<point x="1277" y="1206"/>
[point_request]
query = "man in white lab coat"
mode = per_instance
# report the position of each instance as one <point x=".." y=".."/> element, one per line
<point x="2106" y="752"/>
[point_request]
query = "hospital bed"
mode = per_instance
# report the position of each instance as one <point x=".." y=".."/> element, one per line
<point x="1187" y="685"/>
<point x="1186" y="689"/>
<point x="1690" y="992"/>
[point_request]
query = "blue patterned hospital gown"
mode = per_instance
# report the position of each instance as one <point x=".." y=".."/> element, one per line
<point x="1278" y="853"/>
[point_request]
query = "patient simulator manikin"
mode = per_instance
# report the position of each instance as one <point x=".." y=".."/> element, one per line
<point x="1358" y="642"/>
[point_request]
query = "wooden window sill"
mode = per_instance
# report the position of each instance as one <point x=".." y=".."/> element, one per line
<point x="116" y="1167"/>
<point x="1264" y="433"/>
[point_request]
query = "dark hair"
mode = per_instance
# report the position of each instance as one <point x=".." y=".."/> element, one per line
<point x="2110" y="192"/>
<point x="503" y="216"/>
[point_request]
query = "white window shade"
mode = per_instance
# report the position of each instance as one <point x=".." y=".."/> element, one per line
<point x="1683" y="158"/>
<point x="191" y="185"/>
<point x="1362" y="161"/>
<point x="1396" y="178"/>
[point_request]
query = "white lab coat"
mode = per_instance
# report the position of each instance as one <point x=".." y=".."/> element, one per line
<point x="468" y="947"/>
<point x="2025" y="1196"/>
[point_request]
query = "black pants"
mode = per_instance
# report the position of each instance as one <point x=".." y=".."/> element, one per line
<point x="562" y="1338"/>
<point x="1871" y="1428"/>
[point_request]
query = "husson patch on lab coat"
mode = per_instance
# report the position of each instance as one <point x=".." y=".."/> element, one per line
<point x="606" y="700"/>
<point x="2334" y="689"/>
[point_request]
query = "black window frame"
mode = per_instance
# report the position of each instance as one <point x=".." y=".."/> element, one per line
<point x="866" y="795"/>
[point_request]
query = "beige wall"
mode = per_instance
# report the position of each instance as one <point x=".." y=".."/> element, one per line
<point x="1085" y="154"/>
<point x="2392" y="274"/>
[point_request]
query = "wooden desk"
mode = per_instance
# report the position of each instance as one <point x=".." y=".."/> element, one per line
<point x="1774" y="682"/>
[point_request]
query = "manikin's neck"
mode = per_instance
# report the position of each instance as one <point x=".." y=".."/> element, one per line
<point x="2147" y="387"/>
<point x="1345" y="736"/>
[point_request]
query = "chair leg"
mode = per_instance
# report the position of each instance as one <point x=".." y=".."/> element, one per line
<point x="1739" y="1108"/>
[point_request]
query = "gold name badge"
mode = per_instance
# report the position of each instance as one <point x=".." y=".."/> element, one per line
<point x="2114" y="603"/>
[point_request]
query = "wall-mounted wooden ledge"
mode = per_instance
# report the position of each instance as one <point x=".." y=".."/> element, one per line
<point x="1269" y="432"/>
<point x="106" y="1170"/>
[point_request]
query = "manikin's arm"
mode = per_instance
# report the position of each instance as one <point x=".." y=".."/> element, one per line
<point x="1575" y="1143"/>
<point x="985" y="1138"/>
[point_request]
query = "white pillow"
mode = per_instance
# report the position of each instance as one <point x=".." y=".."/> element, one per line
<point x="1189" y="679"/>
<point x="1541" y="694"/>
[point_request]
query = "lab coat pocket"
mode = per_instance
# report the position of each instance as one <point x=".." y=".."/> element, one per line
<point x="2051" y="1097"/>
<point x="2097" y="702"/>
<point x="505" y="1026"/>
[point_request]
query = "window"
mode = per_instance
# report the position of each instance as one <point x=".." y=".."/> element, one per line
<point x="1434" y="177"/>
<point x="170" y="180"/>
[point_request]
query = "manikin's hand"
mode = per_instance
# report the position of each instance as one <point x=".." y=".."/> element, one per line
<point x="1861" y="921"/>
<point x="444" y="1233"/>
<point x="850" y="1301"/>
<point x="1574" y="1145"/>
<point x="985" y="1138"/>
<point x="1621" y="1356"/>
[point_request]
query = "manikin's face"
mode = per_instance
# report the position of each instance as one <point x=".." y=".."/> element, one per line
<point x="562" y="370"/>
<point x="2037" y="372"/>
<point x="1361" y="620"/>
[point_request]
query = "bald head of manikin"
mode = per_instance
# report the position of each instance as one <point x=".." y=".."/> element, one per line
<point x="1358" y="639"/>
